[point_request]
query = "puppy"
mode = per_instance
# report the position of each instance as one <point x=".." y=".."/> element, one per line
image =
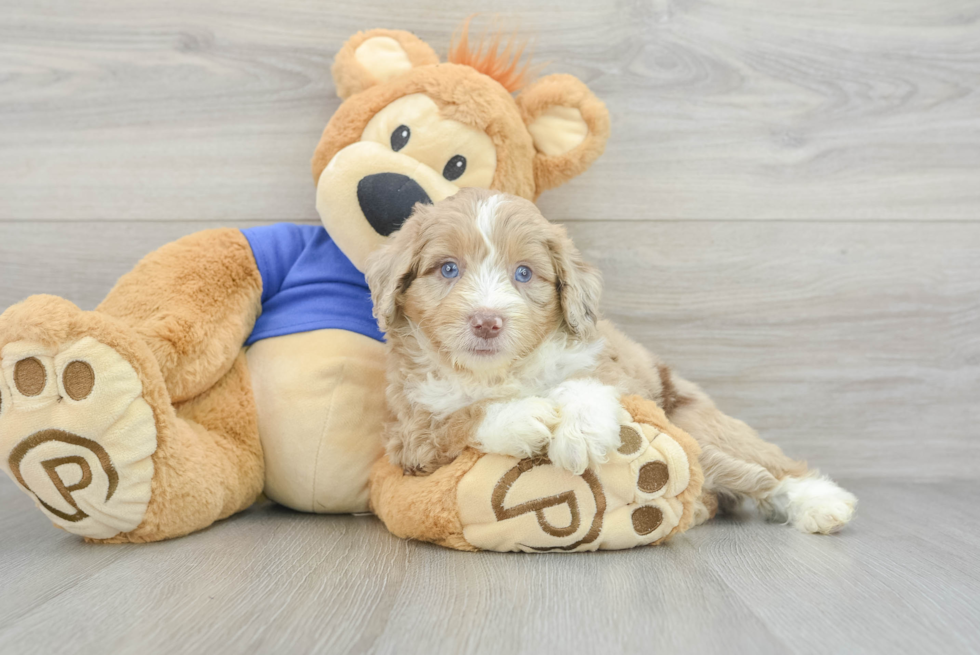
<point x="495" y="341"/>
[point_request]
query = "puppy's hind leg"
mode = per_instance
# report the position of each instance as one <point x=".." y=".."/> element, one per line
<point x="813" y="503"/>
<point x="737" y="462"/>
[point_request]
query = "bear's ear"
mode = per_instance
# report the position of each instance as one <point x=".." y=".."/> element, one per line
<point x="569" y="127"/>
<point x="375" y="56"/>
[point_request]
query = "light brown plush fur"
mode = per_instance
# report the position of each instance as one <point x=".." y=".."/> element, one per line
<point x="475" y="99"/>
<point x="209" y="466"/>
<point x="208" y="461"/>
<point x="349" y="77"/>
<point x="566" y="91"/>
<point x="194" y="302"/>
<point x="463" y="95"/>
<point x="422" y="508"/>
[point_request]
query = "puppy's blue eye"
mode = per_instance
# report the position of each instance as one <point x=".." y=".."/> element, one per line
<point x="522" y="274"/>
<point x="450" y="270"/>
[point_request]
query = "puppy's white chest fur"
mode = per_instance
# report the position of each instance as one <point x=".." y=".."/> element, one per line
<point x="443" y="391"/>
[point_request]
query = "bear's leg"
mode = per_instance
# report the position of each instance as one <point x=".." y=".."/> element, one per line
<point x="211" y="464"/>
<point x="87" y="428"/>
<point x="194" y="302"/>
<point x="88" y="424"/>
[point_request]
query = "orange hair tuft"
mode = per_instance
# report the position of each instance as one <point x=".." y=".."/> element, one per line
<point x="504" y="66"/>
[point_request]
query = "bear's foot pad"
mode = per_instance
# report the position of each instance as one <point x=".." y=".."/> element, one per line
<point x="76" y="434"/>
<point x="631" y="500"/>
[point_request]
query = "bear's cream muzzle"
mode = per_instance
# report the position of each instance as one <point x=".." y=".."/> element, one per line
<point x="367" y="191"/>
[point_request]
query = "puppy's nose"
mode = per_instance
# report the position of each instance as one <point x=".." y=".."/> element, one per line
<point x="486" y="325"/>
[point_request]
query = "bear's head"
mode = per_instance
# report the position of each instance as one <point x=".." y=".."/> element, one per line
<point x="412" y="129"/>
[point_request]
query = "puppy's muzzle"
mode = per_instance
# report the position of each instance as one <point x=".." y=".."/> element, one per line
<point x="387" y="200"/>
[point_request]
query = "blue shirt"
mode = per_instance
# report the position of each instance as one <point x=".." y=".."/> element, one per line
<point x="307" y="284"/>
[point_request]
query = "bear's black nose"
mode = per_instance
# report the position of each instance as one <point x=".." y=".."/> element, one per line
<point x="387" y="200"/>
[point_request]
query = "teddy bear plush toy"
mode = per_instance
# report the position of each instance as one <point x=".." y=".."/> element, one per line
<point x="235" y="362"/>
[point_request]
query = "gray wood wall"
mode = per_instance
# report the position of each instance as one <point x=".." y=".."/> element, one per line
<point x="788" y="209"/>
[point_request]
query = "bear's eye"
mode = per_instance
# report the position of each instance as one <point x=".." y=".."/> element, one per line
<point x="450" y="270"/>
<point x="522" y="274"/>
<point x="455" y="167"/>
<point x="400" y="137"/>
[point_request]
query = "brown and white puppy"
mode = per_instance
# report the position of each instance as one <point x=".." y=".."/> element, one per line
<point x="495" y="341"/>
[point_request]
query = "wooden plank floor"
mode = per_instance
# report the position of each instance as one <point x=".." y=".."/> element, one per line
<point x="788" y="211"/>
<point x="903" y="579"/>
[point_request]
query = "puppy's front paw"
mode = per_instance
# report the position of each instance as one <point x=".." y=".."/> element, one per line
<point x="519" y="428"/>
<point x="589" y="426"/>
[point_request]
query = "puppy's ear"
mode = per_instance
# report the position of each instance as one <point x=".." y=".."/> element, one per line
<point x="569" y="127"/>
<point x="579" y="286"/>
<point x="390" y="271"/>
<point x="375" y="56"/>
